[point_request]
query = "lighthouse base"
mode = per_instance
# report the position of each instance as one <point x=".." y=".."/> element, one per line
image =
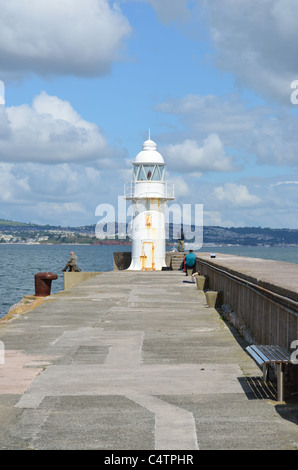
<point x="139" y="265"/>
<point x="147" y="255"/>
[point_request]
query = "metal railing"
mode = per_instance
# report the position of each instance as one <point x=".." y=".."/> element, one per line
<point x="286" y="302"/>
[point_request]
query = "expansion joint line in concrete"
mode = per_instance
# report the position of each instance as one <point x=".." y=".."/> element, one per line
<point x="174" y="427"/>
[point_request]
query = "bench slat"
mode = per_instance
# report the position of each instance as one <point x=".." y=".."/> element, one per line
<point x="284" y="354"/>
<point x="262" y="358"/>
<point x="276" y="353"/>
<point x="267" y="354"/>
<point x="270" y="353"/>
<point x="259" y="359"/>
<point x="287" y="354"/>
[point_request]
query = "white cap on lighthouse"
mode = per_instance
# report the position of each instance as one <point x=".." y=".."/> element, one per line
<point x="149" y="154"/>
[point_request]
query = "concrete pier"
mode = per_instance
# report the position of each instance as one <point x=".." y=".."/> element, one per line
<point x="135" y="361"/>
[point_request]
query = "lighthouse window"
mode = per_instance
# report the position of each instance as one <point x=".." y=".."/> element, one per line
<point x="145" y="173"/>
<point x="157" y="174"/>
<point x="149" y="173"/>
<point x="148" y="169"/>
<point x="137" y="170"/>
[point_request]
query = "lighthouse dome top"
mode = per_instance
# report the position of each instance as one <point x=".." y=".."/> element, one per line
<point x="149" y="154"/>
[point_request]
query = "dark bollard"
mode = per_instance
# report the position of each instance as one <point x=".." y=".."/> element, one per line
<point x="43" y="282"/>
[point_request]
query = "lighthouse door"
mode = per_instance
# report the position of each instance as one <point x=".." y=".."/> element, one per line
<point x="148" y="256"/>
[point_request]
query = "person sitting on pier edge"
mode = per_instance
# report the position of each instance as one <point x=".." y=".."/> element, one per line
<point x="72" y="263"/>
<point x="190" y="260"/>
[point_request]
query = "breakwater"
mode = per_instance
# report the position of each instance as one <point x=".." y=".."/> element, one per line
<point x="113" y="362"/>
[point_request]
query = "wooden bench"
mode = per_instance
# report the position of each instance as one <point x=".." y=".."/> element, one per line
<point x="276" y="355"/>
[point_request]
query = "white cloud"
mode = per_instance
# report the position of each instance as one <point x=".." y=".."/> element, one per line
<point x="60" y="194"/>
<point x="181" y="186"/>
<point x="62" y="211"/>
<point x="264" y="132"/>
<point x="51" y="131"/>
<point x="4" y="124"/>
<point x="259" y="201"/>
<point x="256" y="41"/>
<point x="13" y="187"/>
<point x="53" y="37"/>
<point x="236" y="194"/>
<point x="285" y="14"/>
<point x="279" y="183"/>
<point x="225" y="115"/>
<point x="189" y="157"/>
<point x="253" y="40"/>
<point x="212" y="218"/>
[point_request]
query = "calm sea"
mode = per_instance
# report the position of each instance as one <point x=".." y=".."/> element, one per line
<point x="19" y="264"/>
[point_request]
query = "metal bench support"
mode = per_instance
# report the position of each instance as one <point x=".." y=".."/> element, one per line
<point x="265" y="372"/>
<point x="280" y="381"/>
<point x="266" y="355"/>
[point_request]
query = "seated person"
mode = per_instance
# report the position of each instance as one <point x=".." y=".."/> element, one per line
<point x="190" y="260"/>
<point x="72" y="263"/>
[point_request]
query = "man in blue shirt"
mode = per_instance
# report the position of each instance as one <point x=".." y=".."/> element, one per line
<point x="190" y="260"/>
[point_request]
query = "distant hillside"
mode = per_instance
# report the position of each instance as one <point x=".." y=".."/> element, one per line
<point x="19" y="232"/>
<point x="12" y="223"/>
<point x="250" y="236"/>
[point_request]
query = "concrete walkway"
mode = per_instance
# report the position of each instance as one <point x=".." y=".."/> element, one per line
<point x="134" y="360"/>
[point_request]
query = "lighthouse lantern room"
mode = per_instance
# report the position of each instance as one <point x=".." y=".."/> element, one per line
<point x="148" y="193"/>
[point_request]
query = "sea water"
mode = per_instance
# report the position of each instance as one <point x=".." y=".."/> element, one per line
<point x="20" y="263"/>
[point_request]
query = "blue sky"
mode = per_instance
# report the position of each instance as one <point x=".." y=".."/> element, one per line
<point x="84" y="82"/>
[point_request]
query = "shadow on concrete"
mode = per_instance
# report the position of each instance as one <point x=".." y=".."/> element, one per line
<point x="255" y="388"/>
<point x="288" y="412"/>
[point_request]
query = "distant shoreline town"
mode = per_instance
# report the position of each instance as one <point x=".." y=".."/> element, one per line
<point x="32" y="234"/>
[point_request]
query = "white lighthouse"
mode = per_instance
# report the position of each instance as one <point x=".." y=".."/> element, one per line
<point x="148" y="193"/>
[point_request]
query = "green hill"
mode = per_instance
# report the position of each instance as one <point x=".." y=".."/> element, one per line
<point x="12" y="223"/>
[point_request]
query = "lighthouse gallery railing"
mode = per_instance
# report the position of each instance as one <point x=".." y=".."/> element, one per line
<point x="148" y="187"/>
